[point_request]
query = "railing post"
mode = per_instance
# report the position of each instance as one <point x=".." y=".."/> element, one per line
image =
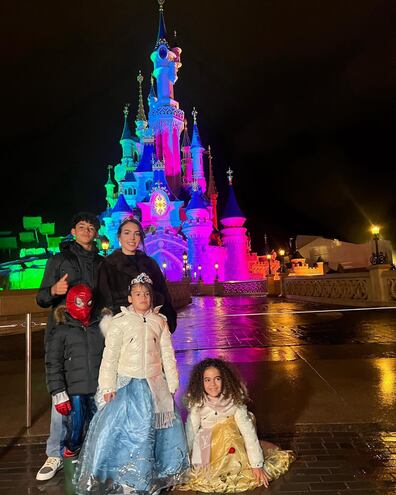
<point x="28" y="367"/>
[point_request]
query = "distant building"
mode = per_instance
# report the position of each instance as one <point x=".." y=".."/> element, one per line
<point x="160" y="180"/>
<point x="340" y="255"/>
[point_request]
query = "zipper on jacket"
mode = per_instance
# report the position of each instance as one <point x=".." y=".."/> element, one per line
<point x="145" y="345"/>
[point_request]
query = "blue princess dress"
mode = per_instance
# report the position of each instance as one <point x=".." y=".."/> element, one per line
<point x="128" y="449"/>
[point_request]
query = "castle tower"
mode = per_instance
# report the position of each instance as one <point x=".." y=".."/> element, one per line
<point x="144" y="171"/>
<point x="141" y="119"/>
<point x="234" y="237"/>
<point x="121" y="210"/>
<point x="198" y="229"/>
<point x="212" y="193"/>
<point x="197" y="151"/>
<point x="187" y="159"/>
<point x="109" y="186"/>
<point x="152" y="97"/>
<point x="165" y="117"/>
<point x="128" y="187"/>
<point x="129" y="150"/>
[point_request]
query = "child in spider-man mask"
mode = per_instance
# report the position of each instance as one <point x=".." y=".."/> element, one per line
<point x="73" y="355"/>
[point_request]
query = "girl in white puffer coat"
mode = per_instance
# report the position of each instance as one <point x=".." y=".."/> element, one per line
<point x="136" y="442"/>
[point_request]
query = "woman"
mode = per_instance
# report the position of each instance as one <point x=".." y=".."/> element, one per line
<point x="124" y="264"/>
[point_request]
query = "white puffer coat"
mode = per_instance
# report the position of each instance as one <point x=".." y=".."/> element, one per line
<point x="138" y="346"/>
<point x="206" y="417"/>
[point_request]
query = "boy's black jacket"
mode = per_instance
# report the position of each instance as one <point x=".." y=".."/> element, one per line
<point x="73" y="356"/>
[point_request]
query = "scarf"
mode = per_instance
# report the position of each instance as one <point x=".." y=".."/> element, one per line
<point x="201" y="455"/>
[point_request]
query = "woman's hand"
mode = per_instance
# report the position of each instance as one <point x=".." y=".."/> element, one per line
<point x="261" y="476"/>
<point x="109" y="396"/>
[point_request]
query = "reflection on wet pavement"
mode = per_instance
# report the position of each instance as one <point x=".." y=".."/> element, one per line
<point x="322" y="383"/>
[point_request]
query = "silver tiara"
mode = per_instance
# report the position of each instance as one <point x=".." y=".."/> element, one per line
<point x="143" y="278"/>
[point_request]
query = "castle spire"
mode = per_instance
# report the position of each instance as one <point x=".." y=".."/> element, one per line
<point x="229" y="174"/>
<point x="212" y="191"/>
<point x="211" y="185"/>
<point x="197" y="151"/>
<point x="196" y="138"/>
<point x="140" y="116"/>
<point x="109" y="180"/>
<point x="186" y="138"/>
<point x="161" y="37"/>
<point x="126" y="132"/>
<point x="232" y="208"/>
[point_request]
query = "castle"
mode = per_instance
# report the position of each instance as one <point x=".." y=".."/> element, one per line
<point x="160" y="180"/>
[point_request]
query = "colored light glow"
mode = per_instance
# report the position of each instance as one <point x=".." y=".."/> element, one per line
<point x="160" y="204"/>
<point x="375" y="229"/>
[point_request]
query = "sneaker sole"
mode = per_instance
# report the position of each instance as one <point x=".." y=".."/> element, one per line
<point x="47" y="476"/>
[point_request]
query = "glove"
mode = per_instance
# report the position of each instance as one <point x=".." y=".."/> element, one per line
<point x="64" y="408"/>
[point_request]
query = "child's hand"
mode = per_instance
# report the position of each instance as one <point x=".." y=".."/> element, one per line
<point x="261" y="476"/>
<point x="64" y="408"/>
<point x="109" y="396"/>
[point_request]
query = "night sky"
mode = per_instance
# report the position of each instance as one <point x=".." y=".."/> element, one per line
<point x="296" y="96"/>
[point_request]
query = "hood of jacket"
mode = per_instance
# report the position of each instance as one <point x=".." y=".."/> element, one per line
<point x="62" y="316"/>
<point x="75" y="248"/>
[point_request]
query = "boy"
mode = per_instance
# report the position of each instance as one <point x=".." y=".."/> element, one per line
<point x="77" y="262"/>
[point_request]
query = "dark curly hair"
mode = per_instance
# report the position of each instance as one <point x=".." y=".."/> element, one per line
<point x="232" y="385"/>
<point x="85" y="216"/>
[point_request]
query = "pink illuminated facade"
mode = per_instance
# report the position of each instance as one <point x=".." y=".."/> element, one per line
<point x="161" y="181"/>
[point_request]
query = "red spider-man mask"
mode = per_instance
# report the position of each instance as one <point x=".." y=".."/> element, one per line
<point x="79" y="303"/>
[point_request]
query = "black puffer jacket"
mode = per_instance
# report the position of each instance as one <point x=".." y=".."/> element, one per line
<point x="80" y="265"/>
<point x="115" y="275"/>
<point x="73" y="356"/>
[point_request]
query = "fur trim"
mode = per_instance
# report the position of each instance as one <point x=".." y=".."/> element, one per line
<point x="59" y="314"/>
<point x="105" y="324"/>
<point x="106" y="312"/>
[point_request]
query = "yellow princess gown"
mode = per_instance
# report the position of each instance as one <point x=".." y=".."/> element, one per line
<point x="229" y="470"/>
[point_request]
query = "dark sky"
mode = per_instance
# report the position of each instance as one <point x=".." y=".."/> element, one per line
<point x="297" y="96"/>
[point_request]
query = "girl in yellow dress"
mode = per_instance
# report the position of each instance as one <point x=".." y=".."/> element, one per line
<point x="226" y="454"/>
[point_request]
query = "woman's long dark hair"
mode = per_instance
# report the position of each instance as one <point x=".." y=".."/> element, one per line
<point x="232" y="385"/>
<point x="139" y="226"/>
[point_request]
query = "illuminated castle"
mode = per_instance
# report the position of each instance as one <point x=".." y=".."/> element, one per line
<point x="161" y="181"/>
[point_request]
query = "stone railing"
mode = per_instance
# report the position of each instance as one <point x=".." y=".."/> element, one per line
<point x="334" y="286"/>
<point x="232" y="288"/>
<point x="180" y="293"/>
<point x="18" y="302"/>
<point x="245" y="287"/>
<point x="375" y="286"/>
<point x="390" y="279"/>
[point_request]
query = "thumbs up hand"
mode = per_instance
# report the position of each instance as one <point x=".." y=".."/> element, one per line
<point x="61" y="286"/>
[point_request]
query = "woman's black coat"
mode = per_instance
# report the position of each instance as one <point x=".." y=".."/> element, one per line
<point x="115" y="274"/>
<point x="73" y="356"/>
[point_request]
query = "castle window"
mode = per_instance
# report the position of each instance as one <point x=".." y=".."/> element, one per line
<point x="149" y="184"/>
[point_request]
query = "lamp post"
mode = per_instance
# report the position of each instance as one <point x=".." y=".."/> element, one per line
<point x="200" y="273"/>
<point x="268" y="256"/>
<point x="164" y="265"/>
<point x="185" y="257"/>
<point x="105" y="243"/>
<point x="216" y="265"/>
<point x="378" y="257"/>
<point x="282" y="256"/>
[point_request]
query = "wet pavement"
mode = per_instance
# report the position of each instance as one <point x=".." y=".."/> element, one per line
<point x="322" y="382"/>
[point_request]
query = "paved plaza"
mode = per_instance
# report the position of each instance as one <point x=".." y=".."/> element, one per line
<point x="322" y="382"/>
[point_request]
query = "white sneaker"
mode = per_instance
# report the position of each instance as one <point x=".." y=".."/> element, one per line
<point x="49" y="469"/>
